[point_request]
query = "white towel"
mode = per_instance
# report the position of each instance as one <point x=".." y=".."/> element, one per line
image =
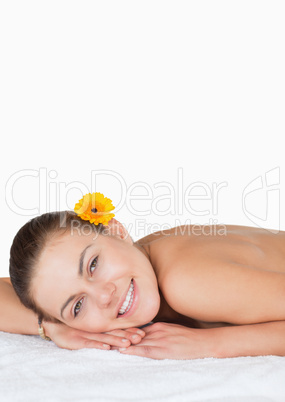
<point x="32" y="369"/>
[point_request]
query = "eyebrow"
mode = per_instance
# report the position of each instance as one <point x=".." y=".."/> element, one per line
<point x="80" y="274"/>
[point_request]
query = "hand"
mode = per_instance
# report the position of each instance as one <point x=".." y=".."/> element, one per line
<point x="172" y="341"/>
<point x="70" y="338"/>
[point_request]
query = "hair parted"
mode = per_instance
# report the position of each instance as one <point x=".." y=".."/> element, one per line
<point x="27" y="246"/>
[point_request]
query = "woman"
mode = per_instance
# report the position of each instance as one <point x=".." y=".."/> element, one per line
<point x="213" y="292"/>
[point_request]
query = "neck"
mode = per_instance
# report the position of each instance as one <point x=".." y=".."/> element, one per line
<point x="165" y="313"/>
<point x="145" y="249"/>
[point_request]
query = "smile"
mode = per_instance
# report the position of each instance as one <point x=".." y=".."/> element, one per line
<point x="127" y="304"/>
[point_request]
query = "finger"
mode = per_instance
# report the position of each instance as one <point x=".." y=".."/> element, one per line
<point x="88" y="343"/>
<point x="148" y="342"/>
<point x="136" y="331"/>
<point x="143" y="351"/>
<point x="154" y="327"/>
<point x="85" y="343"/>
<point x="132" y="336"/>
<point x="122" y="332"/>
<point x="112" y="340"/>
<point x="115" y="347"/>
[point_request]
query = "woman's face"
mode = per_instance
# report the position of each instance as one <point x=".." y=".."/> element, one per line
<point x="85" y="282"/>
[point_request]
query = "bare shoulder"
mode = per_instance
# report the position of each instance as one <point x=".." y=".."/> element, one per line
<point x="221" y="277"/>
<point x="164" y="247"/>
<point x="226" y="291"/>
<point x="193" y="246"/>
<point x="7" y="280"/>
<point x="183" y="230"/>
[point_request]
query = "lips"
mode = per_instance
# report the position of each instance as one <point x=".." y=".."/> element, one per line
<point x="128" y="301"/>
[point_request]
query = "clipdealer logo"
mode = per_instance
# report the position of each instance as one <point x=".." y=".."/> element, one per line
<point x="141" y="199"/>
<point x="261" y="200"/>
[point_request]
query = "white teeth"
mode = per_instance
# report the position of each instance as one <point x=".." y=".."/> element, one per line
<point x="128" y="301"/>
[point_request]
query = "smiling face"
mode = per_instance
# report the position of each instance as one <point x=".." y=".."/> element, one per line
<point x="96" y="285"/>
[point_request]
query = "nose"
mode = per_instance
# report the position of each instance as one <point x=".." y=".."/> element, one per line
<point x="105" y="294"/>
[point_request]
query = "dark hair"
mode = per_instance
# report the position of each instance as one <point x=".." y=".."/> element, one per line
<point x="28" y="245"/>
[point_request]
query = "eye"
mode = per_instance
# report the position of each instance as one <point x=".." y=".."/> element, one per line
<point x="76" y="309"/>
<point x="78" y="305"/>
<point x="93" y="265"/>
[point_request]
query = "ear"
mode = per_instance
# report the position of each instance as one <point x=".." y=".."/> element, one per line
<point x="115" y="228"/>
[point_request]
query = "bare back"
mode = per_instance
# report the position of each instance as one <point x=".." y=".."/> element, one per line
<point x="211" y="246"/>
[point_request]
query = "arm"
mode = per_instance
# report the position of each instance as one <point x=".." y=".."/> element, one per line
<point x="171" y="341"/>
<point x="14" y="316"/>
<point x="250" y="340"/>
<point x="221" y="291"/>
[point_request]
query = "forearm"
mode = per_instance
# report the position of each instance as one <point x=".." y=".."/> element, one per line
<point x="249" y="340"/>
<point x="14" y="317"/>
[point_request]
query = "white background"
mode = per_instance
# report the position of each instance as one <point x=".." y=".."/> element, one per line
<point x="139" y="94"/>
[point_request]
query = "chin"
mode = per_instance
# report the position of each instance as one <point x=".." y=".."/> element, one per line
<point x="146" y="312"/>
<point x="151" y="310"/>
<point x="145" y="305"/>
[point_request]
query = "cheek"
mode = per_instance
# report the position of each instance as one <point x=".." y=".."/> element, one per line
<point x="93" y="324"/>
<point x="118" y="267"/>
<point x="48" y="307"/>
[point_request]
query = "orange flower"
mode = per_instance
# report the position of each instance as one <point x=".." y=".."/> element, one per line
<point x="95" y="208"/>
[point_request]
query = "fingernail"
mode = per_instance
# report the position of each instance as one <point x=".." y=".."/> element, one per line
<point x="134" y="337"/>
<point x="125" y="340"/>
<point x="105" y="346"/>
<point x="122" y="349"/>
<point x="140" y="332"/>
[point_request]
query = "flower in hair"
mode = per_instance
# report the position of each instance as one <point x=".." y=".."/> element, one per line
<point x="95" y="208"/>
